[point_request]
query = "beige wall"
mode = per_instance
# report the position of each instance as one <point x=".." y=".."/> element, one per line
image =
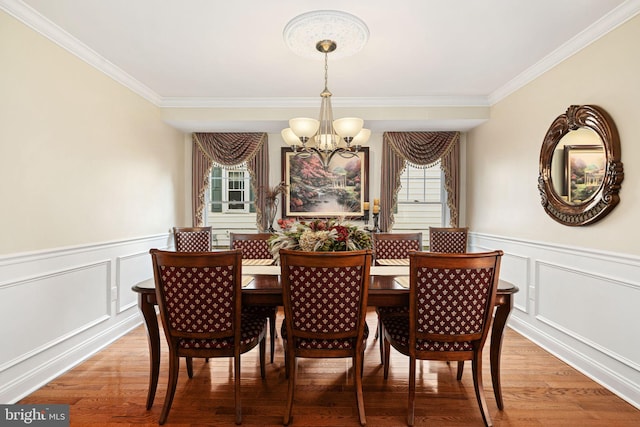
<point x="503" y="154"/>
<point x="82" y="158"/>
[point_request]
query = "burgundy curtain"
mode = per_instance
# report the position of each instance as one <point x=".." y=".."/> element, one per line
<point x="420" y="149"/>
<point x="229" y="149"/>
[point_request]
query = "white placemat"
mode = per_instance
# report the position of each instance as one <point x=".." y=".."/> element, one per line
<point x="267" y="261"/>
<point x="261" y="269"/>
<point x="402" y="281"/>
<point x="246" y="280"/>
<point x="400" y="261"/>
<point x="394" y="270"/>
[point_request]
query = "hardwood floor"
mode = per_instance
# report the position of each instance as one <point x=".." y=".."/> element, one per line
<point x="538" y="390"/>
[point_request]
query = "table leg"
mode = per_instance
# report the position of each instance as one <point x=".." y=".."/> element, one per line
<point x="499" y="322"/>
<point x="153" y="334"/>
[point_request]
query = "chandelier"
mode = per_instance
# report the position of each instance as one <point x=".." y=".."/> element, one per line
<point x="326" y="137"/>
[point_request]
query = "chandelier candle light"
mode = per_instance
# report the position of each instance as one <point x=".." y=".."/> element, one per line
<point x="326" y="137"/>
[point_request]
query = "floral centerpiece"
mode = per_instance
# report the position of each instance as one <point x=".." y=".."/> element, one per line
<point x="320" y="236"/>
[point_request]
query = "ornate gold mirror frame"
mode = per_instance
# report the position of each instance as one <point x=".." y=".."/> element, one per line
<point x="605" y="198"/>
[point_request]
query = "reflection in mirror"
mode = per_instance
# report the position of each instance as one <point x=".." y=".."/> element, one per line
<point x="578" y="165"/>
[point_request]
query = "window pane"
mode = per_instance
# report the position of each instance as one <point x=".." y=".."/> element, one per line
<point x="216" y="190"/>
<point x="420" y="201"/>
<point x="236" y="196"/>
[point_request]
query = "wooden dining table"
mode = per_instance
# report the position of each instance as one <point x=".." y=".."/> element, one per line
<point x="266" y="289"/>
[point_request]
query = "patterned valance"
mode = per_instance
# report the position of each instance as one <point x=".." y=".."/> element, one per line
<point x="422" y="150"/>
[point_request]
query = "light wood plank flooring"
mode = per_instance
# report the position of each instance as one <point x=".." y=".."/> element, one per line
<point x="538" y="389"/>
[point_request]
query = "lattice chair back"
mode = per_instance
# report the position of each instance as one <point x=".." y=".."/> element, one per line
<point x="324" y="293"/>
<point x="453" y="296"/>
<point x="396" y="245"/>
<point x="199" y="295"/>
<point x="448" y="240"/>
<point x="253" y="245"/>
<point x="192" y="239"/>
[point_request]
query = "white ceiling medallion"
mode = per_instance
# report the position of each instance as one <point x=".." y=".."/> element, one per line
<point x="302" y="33"/>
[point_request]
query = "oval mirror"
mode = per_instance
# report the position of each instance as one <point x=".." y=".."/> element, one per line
<point x="580" y="167"/>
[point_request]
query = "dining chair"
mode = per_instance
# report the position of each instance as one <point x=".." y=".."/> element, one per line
<point x="192" y="239"/>
<point x="325" y="301"/>
<point x="451" y="299"/>
<point x="448" y="239"/>
<point x="389" y="247"/>
<point x="256" y="246"/>
<point x="199" y="296"/>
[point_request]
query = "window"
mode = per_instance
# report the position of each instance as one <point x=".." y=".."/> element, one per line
<point x="231" y="204"/>
<point x="422" y="201"/>
<point x="231" y="191"/>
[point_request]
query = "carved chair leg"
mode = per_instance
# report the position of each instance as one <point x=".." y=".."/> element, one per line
<point x="460" y="370"/>
<point x="476" y="366"/>
<point x="272" y="332"/>
<point x="291" y="368"/>
<point x="174" y="366"/>
<point x="358" y="364"/>
<point x="189" y="361"/>
<point x="412" y="391"/>
<point x="387" y="352"/>
<point x="263" y="350"/>
<point x="236" y="363"/>
<point x="286" y="361"/>
<point x="379" y="333"/>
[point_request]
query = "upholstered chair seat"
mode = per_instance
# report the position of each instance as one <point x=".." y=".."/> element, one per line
<point x="251" y="328"/>
<point x="319" y="344"/>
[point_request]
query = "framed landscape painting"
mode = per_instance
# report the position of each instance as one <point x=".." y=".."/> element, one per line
<point x="584" y="173"/>
<point x="313" y="191"/>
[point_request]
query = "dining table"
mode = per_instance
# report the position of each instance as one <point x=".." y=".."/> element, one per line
<point x="261" y="285"/>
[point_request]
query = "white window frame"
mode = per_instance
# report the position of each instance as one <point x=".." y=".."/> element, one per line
<point x="444" y="208"/>
<point x="245" y="191"/>
<point x="229" y="220"/>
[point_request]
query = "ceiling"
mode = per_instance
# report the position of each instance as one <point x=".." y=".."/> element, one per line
<point x="230" y="54"/>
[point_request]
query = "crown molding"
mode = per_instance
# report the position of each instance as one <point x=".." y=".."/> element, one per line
<point x="38" y="23"/>
<point x="604" y="25"/>
<point x="345" y="102"/>
<point x="48" y="29"/>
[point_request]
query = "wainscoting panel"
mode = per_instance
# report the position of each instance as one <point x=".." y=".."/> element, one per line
<point x="604" y="305"/>
<point x="514" y="268"/>
<point x="580" y="305"/>
<point x="58" y="307"/>
<point x="76" y="298"/>
<point x="130" y="270"/>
